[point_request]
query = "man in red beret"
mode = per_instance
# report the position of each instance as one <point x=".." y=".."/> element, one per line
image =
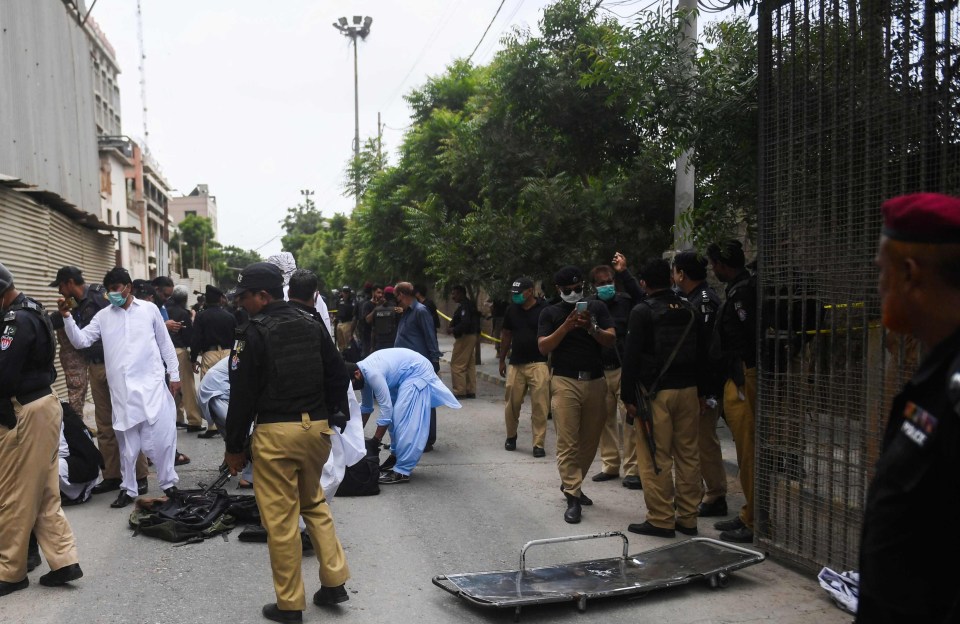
<point x="916" y="484"/>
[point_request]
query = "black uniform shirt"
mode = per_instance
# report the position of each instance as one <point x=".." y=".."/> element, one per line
<point x="523" y="325"/>
<point x="619" y="308"/>
<point x="915" y="490"/>
<point x="212" y="329"/>
<point x="345" y="310"/>
<point x="182" y="338"/>
<point x="249" y="377"/>
<point x="706" y="301"/>
<point x="26" y="356"/>
<point x="578" y="351"/>
<point x="466" y="319"/>
<point x="93" y="300"/>
<point x="737" y="322"/>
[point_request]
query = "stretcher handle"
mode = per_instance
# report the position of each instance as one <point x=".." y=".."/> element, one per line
<point x="571" y="538"/>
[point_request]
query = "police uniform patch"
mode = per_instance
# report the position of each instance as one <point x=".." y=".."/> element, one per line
<point x="741" y="311"/>
<point x="238" y="346"/>
<point x="7" y="338"/>
<point x="918" y="423"/>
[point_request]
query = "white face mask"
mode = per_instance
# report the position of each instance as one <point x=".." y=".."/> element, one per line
<point x="573" y="297"/>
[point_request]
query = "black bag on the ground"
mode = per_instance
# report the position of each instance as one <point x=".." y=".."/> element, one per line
<point x="361" y="479"/>
<point x="352" y="352"/>
<point x="185" y="516"/>
<point x="85" y="461"/>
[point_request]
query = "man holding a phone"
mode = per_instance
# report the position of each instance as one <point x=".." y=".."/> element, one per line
<point x="574" y="332"/>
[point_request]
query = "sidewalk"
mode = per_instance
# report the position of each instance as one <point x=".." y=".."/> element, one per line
<point x="489" y="371"/>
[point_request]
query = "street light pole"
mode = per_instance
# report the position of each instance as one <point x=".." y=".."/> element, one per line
<point x="359" y="28"/>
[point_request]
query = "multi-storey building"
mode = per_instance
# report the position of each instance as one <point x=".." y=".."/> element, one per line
<point x="199" y="203"/>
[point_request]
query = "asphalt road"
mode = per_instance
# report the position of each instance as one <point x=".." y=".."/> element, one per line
<point x="469" y="507"/>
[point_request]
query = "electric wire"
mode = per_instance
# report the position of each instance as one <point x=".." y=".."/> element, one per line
<point x="484" y="35"/>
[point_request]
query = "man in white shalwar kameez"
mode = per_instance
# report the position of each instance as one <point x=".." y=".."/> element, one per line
<point x="136" y="348"/>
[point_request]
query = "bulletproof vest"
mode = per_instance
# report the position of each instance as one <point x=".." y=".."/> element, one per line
<point x="384" y="322"/>
<point x="670" y="319"/>
<point x="40" y="359"/>
<point x="294" y="366"/>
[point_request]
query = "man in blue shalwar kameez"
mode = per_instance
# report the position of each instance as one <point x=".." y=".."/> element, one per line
<point x="406" y="388"/>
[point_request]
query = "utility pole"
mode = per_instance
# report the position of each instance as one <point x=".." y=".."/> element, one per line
<point x="686" y="174"/>
<point x="360" y="28"/>
<point x="143" y="78"/>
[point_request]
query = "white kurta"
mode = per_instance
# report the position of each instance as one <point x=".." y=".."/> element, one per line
<point x="136" y="345"/>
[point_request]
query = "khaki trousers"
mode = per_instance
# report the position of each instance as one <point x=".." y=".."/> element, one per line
<point x="520" y="377"/>
<point x="188" y="410"/>
<point x="74" y="372"/>
<point x="711" y="459"/>
<point x="288" y="458"/>
<point x="578" y="417"/>
<point x="463" y="365"/>
<point x="616" y="433"/>
<point x="30" y="490"/>
<point x="344" y="334"/>
<point x="106" y="437"/>
<point x="739" y="413"/>
<point x="673" y="495"/>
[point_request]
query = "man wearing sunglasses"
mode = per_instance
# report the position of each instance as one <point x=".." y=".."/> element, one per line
<point x="573" y="333"/>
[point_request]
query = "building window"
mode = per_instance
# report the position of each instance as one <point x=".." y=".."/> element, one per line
<point x="189" y="213"/>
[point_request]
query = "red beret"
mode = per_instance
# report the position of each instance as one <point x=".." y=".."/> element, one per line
<point x="922" y="218"/>
<point x="388" y="290"/>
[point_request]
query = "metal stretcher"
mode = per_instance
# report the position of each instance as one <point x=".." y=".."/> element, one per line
<point x="694" y="559"/>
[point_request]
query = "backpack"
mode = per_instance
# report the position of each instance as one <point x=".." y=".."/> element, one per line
<point x="192" y="516"/>
<point x="362" y="478"/>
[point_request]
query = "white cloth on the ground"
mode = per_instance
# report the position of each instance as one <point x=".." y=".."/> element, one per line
<point x="73" y="491"/>
<point x="158" y="442"/>
<point x="406" y="388"/>
<point x="136" y="345"/>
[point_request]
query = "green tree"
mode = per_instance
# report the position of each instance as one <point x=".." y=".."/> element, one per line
<point x="193" y="242"/>
<point x="301" y="222"/>
<point x="227" y="262"/>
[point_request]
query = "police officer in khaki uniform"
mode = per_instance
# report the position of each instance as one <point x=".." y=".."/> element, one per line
<point x="574" y="339"/>
<point x="29" y="462"/>
<point x="286" y="376"/>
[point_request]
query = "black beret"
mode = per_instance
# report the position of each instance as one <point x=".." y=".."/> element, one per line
<point x="568" y="276"/>
<point x="922" y="218"/>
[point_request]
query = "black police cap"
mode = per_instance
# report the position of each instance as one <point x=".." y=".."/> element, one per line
<point x="260" y="276"/>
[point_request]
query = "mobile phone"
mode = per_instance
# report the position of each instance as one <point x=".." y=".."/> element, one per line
<point x="581" y="307"/>
<point x="72" y="303"/>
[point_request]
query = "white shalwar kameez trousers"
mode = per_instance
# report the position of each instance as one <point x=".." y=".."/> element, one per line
<point x="136" y="345"/>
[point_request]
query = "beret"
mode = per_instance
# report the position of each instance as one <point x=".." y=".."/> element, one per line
<point x="922" y="218"/>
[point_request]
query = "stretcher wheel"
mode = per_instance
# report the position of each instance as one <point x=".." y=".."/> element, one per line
<point x="719" y="580"/>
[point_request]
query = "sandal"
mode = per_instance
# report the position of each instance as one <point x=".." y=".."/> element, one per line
<point x="181" y="459"/>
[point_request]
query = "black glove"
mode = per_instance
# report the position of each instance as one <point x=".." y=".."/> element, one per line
<point x="339" y="419"/>
<point x="436" y="366"/>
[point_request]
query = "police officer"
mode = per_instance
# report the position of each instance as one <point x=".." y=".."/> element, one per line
<point x="286" y="376"/>
<point x="212" y="336"/>
<point x="916" y="483"/>
<point x="574" y="338"/>
<point x="29" y="461"/>
<point x="736" y="335"/>
<point x="690" y="276"/>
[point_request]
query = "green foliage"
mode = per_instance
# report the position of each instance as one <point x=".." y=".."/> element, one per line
<point x="193" y="242"/>
<point x="227" y="262"/>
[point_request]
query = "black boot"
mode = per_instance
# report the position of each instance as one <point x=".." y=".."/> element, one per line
<point x="572" y="514"/>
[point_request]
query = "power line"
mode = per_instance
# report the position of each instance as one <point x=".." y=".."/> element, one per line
<point x="482" y="37"/>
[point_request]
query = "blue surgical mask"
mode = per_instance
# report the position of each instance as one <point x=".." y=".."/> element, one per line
<point x="117" y="299"/>
<point x="606" y="292"/>
<point x="517" y="298"/>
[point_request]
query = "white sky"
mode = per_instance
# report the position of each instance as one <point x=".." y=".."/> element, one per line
<point x="256" y="100"/>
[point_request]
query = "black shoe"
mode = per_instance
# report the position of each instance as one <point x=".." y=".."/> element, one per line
<point x="585" y="500"/>
<point x="389" y="464"/>
<point x="55" y="578"/>
<point x="687" y="530"/>
<point x="572" y="514"/>
<point x="714" y="509"/>
<point x="645" y="528"/>
<point x="123" y="500"/>
<point x="604" y="476"/>
<point x="428" y="448"/>
<point x="181" y="425"/>
<point x="193" y="428"/>
<point x="275" y="613"/>
<point x="539" y="452"/>
<point x="142" y="486"/>
<point x="253" y="533"/>
<point x="743" y="535"/>
<point x="632" y="482"/>
<point x="107" y="485"/>
<point x="306" y="542"/>
<point x="729" y="525"/>
<point x="510" y="444"/>
<point x="170" y="491"/>
<point x="326" y="596"/>
<point x="206" y="435"/>
<point x="471" y="395"/>
<point x="390" y="477"/>
<point x="9" y="588"/>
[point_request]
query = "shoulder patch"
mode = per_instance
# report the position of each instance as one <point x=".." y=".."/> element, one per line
<point x="918" y="424"/>
<point x="10" y="316"/>
<point x="6" y="338"/>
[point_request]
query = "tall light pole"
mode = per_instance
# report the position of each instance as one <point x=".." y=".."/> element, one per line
<point x="360" y="28"/>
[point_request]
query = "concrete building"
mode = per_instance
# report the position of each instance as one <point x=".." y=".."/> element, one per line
<point x="199" y="203"/>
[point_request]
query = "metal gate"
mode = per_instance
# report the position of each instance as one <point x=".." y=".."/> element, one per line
<point x="859" y="102"/>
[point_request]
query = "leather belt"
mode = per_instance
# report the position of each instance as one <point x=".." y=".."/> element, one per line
<point x="579" y="375"/>
<point x="266" y="419"/>
<point x="33" y="395"/>
<point x="607" y="367"/>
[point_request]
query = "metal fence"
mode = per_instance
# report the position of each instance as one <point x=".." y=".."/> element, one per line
<point x="859" y="102"/>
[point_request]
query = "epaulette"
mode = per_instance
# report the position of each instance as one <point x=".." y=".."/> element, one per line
<point x="11" y="315"/>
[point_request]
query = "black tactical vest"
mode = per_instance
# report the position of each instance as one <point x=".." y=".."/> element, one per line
<point x="39" y="359"/>
<point x="670" y="319"/>
<point x="294" y="365"/>
<point x="384" y="322"/>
